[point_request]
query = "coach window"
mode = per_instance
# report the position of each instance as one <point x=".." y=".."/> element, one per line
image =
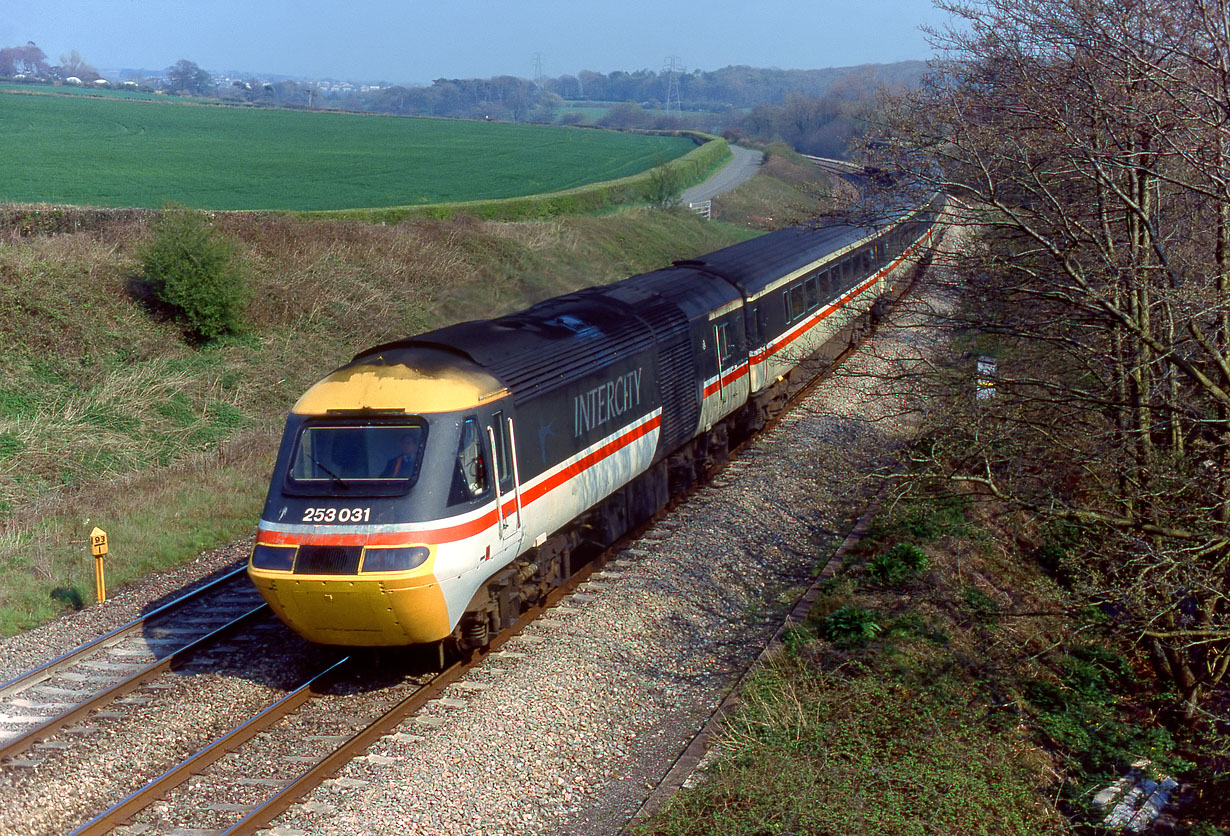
<point x="798" y="301"/>
<point x="470" y="472"/>
<point x="813" y="293"/>
<point x="828" y="286"/>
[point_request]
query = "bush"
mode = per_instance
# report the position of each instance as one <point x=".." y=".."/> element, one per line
<point x="197" y="272"/>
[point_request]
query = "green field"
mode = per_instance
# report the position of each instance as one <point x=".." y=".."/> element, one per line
<point x="109" y="152"/>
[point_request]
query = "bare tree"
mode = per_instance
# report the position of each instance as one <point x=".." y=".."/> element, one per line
<point x="1086" y="140"/>
<point x="73" y="64"/>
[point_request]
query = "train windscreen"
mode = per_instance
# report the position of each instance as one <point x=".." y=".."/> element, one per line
<point x="358" y="452"/>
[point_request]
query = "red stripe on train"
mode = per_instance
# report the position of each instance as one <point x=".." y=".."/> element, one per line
<point x="461" y="531"/>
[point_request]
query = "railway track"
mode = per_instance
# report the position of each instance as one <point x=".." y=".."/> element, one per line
<point x="245" y="778"/>
<point x="63" y="691"/>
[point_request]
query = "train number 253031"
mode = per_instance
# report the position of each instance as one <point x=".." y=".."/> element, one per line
<point x="328" y="515"/>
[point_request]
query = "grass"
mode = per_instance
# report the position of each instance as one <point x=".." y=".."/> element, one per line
<point x="106" y="151"/>
<point x="942" y="683"/>
<point x="154" y="519"/>
<point x="817" y="751"/>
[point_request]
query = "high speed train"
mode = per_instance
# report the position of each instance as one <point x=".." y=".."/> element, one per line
<point x="432" y="487"/>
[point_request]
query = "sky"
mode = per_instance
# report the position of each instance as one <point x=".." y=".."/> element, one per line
<point x="417" y="41"/>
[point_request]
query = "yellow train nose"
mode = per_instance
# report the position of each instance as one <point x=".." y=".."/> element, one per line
<point x="361" y="613"/>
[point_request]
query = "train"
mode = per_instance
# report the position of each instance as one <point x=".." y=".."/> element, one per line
<point x="432" y="488"/>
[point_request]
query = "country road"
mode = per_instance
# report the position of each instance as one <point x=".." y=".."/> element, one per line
<point x="741" y="168"/>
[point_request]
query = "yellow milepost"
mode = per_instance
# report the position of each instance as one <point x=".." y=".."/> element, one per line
<point x="98" y="548"/>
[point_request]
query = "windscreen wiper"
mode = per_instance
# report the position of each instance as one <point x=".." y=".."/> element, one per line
<point x="337" y="480"/>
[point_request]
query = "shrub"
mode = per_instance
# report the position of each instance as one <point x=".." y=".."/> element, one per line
<point x="197" y="272"/>
<point x="665" y="185"/>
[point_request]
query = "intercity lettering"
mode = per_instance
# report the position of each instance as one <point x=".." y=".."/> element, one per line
<point x="606" y="401"/>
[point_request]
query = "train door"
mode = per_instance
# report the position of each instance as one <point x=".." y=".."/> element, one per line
<point x="507" y="478"/>
<point x="722" y="351"/>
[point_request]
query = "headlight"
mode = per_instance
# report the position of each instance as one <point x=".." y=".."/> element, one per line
<point x="281" y="558"/>
<point x="395" y="560"/>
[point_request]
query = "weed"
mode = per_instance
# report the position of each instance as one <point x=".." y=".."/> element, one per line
<point x="10" y="445"/>
<point x="983" y="606"/>
<point x="1205" y="829"/>
<point x="15" y="405"/>
<point x="1078" y="712"/>
<point x="924" y="520"/>
<point x="899" y="562"/>
<point x="913" y="624"/>
<point x="850" y="625"/>
<point x="1061" y="541"/>
<point x="797" y="637"/>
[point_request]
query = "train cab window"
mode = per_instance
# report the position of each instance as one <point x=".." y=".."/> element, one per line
<point x="470" y="472"/>
<point x="502" y="451"/>
<point x="343" y="453"/>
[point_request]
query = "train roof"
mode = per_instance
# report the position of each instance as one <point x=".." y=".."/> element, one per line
<point x="546" y="346"/>
<point x="694" y="292"/>
<point x="386" y="380"/>
<point x="568" y="338"/>
<point x="753" y="265"/>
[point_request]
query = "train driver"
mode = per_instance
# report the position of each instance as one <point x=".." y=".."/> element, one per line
<point x="402" y="465"/>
